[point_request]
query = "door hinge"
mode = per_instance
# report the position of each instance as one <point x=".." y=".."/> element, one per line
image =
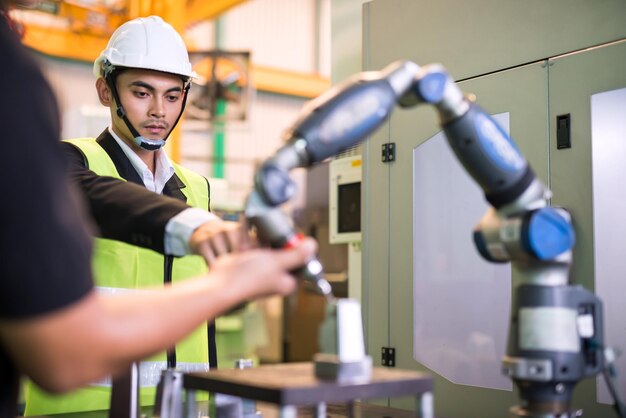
<point x="388" y="357"/>
<point x="389" y="152"/>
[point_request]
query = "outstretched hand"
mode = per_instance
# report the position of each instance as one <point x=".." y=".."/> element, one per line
<point x="263" y="271"/>
<point x="217" y="237"/>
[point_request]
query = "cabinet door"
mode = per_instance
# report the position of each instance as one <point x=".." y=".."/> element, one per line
<point x="448" y="310"/>
<point x="589" y="180"/>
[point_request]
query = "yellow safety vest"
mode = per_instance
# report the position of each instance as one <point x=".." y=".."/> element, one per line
<point x="116" y="266"/>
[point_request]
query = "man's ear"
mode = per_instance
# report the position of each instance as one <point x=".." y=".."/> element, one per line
<point x="104" y="93"/>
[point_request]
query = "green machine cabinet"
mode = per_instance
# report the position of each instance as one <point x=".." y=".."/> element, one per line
<point x="536" y="67"/>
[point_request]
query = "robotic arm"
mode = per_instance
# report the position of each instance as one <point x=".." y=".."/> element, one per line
<point x="555" y="338"/>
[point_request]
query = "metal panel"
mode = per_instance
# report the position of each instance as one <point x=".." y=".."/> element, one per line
<point x="480" y="36"/>
<point x="574" y="80"/>
<point x="346" y="31"/>
<point x="609" y="168"/>
<point x="455" y="334"/>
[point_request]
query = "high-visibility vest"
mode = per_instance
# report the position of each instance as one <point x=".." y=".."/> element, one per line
<point x="116" y="267"/>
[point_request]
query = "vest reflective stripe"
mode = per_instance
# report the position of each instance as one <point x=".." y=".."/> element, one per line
<point x="104" y="290"/>
<point x="150" y="372"/>
<point x="119" y="265"/>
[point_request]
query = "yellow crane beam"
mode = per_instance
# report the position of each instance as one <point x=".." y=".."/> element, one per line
<point x="198" y="10"/>
<point x="292" y="83"/>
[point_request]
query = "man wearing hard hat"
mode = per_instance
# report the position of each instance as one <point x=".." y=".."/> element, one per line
<point x="143" y="77"/>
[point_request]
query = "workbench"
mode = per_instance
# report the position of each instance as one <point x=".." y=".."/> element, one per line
<point x="293" y="385"/>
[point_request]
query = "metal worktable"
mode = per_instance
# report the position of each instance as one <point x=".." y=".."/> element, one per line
<point x="291" y="385"/>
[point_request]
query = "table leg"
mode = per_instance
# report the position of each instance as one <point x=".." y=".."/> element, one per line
<point x="288" y="411"/>
<point x="190" y="404"/>
<point x="352" y="411"/>
<point x="320" y="410"/>
<point x="425" y="405"/>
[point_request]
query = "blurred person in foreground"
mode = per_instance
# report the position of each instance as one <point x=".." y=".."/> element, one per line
<point x="143" y="77"/>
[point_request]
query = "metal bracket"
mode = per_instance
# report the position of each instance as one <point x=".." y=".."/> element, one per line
<point x="389" y="152"/>
<point x="388" y="357"/>
<point x="169" y="396"/>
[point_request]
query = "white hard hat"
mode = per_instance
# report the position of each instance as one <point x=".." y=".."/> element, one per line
<point x="147" y="43"/>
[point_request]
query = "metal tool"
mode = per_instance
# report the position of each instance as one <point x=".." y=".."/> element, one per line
<point x="342" y="357"/>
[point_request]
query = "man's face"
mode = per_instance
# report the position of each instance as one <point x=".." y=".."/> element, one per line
<point x="152" y="101"/>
